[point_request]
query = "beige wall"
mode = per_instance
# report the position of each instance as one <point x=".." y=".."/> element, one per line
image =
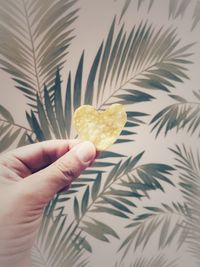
<point x="91" y="28"/>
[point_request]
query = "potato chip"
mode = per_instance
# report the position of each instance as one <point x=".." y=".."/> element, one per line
<point x="102" y="128"/>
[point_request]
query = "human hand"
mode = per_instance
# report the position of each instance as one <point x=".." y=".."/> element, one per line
<point x="29" y="178"/>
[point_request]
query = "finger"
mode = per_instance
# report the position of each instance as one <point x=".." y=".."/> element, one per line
<point x="42" y="185"/>
<point x="31" y="158"/>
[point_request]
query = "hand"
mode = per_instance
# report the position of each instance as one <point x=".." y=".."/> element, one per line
<point x="29" y="178"/>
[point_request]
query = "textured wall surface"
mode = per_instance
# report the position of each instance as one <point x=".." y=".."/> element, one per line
<point x="139" y="204"/>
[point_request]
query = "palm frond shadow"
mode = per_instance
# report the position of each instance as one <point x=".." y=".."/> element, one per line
<point x="37" y="35"/>
<point x="54" y="118"/>
<point x="109" y="65"/>
<point x="177" y="9"/>
<point x="183" y="115"/>
<point x="58" y="245"/>
<point x="156" y="261"/>
<point x="117" y="195"/>
<point x="167" y="220"/>
<point x="146" y="57"/>
<point x="196" y="15"/>
<point x="188" y="165"/>
<point x="140" y="3"/>
<point x="11" y="132"/>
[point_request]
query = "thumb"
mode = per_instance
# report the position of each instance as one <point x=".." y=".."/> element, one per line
<point x="42" y="186"/>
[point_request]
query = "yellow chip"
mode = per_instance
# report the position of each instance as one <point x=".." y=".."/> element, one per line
<point x="102" y="128"/>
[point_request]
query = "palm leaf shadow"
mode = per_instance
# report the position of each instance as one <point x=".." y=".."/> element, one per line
<point x="196" y="16"/>
<point x="107" y="65"/>
<point x="118" y="194"/>
<point x="35" y="36"/>
<point x="11" y="132"/>
<point x="127" y="3"/>
<point x="93" y="92"/>
<point x="177" y="9"/>
<point x="188" y="165"/>
<point x="168" y="221"/>
<point x="146" y="57"/>
<point x="58" y="245"/>
<point x="182" y="115"/>
<point x="156" y="261"/>
<point x="54" y="118"/>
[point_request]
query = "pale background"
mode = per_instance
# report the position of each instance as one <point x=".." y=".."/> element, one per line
<point x="91" y="27"/>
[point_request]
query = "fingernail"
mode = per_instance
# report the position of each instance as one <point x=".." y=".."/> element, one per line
<point x="85" y="152"/>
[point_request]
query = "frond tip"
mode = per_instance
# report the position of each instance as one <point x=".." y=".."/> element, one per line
<point x="10" y="131"/>
<point x="179" y="116"/>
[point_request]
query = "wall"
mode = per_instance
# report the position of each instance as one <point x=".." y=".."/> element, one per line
<point x="138" y="205"/>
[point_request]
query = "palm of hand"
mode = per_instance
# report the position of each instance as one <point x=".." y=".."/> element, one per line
<point x="26" y="186"/>
<point x="17" y="234"/>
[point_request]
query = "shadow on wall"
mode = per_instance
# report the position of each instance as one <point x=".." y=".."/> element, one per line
<point x="137" y="68"/>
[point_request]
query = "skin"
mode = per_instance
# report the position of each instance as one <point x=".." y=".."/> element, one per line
<point x="29" y="177"/>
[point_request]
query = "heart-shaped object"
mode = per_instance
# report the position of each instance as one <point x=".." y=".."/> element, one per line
<point x="102" y="128"/>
